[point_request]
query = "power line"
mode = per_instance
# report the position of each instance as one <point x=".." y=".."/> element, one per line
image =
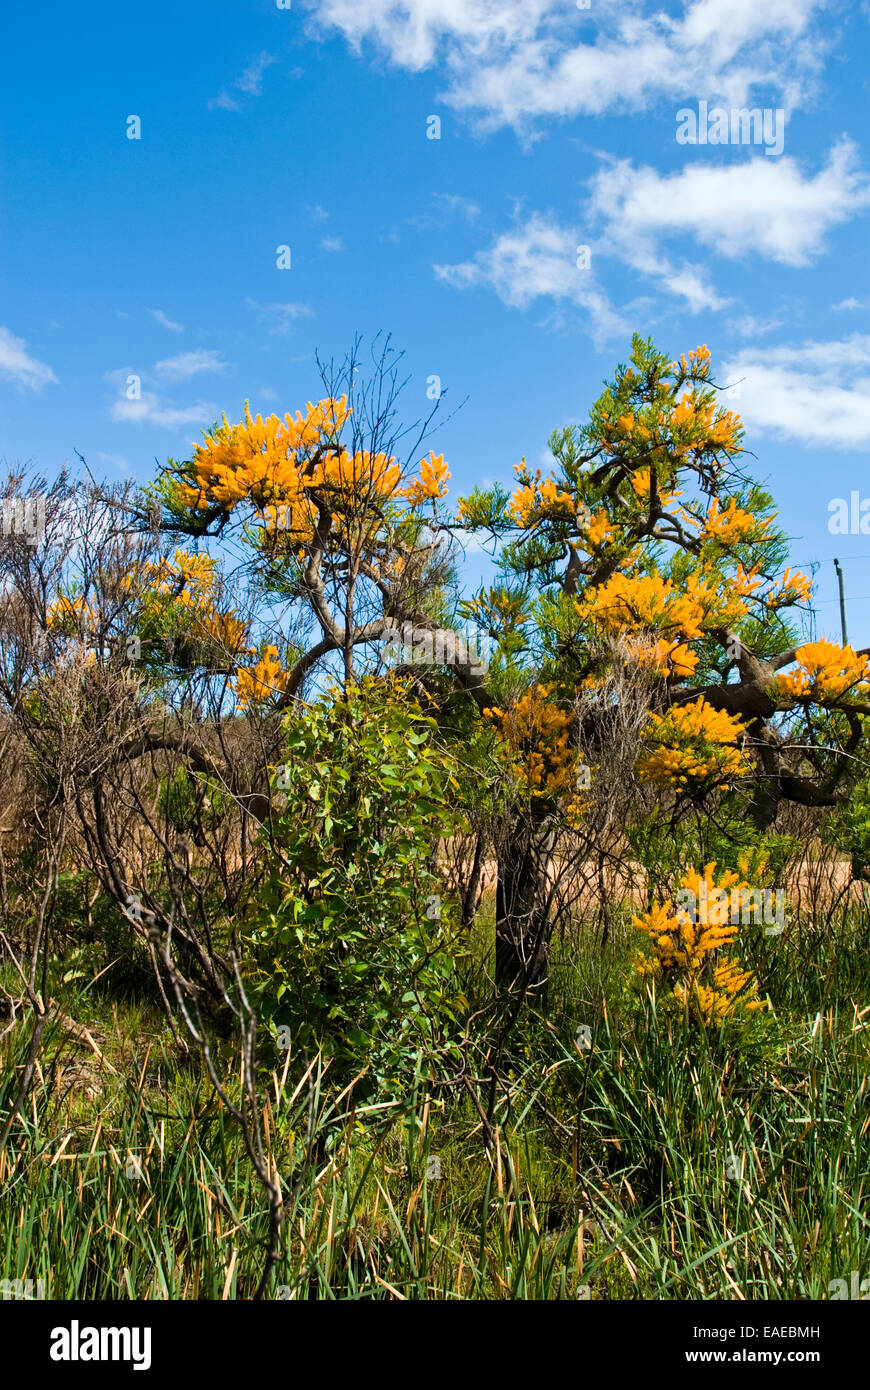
<point x="823" y="560"/>
<point x="856" y="598"/>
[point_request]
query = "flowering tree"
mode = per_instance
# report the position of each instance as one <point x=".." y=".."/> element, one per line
<point x="649" y="546"/>
<point x="648" y="560"/>
<point x="338" y="515"/>
<point x="644" y="643"/>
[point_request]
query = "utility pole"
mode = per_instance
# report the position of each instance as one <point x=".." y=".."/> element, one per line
<point x="842" y="603"/>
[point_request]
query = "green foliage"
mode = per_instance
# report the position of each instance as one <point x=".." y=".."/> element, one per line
<point x="668" y="846"/>
<point x="710" y="1162"/>
<point x="484" y="509"/>
<point x="501" y="612"/>
<point x="184" y="798"/>
<point x="693" y="1171"/>
<point x="352" y="947"/>
<point x="848" y="828"/>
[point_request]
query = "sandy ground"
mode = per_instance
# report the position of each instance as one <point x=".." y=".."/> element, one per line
<point x="814" y="886"/>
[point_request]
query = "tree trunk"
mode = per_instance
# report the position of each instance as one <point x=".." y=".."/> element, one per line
<point x="472" y="889"/>
<point x="522" y="927"/>
<point x="765" y="803"/>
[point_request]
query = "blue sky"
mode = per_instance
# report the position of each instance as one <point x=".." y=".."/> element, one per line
<point x="263" y="126"/>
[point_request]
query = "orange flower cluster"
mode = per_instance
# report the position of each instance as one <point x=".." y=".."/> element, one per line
<point x="227" y="631"/>
<point x="538" y="498"/>
<point x="644" y="606"/>
<point x="259" y="460"/>
<point x="696" y="746"/>
<point x="730" y="990"/>
<point x="825" y="671"/>
<point x="696" y="364"/>
<point x="284" y="468"/>
<point x="641" y="482"/>
<point x="187" y="577"/>
<point x="792" y="587"/>
<point x="256" y="684"/>
<point x="661" y="622"/>
<point x="72" y="616"/>
<point x="732" y="524"/>
<point x="431" y="485"/>
<point x="685" y="944"/>
<point x="538" y="751"/>
<point x="188" y="582"/>
<point x="597" y="530"/>
<point x="692" y="424"/>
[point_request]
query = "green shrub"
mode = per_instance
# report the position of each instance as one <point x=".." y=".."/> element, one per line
<point x="352" y="945"/>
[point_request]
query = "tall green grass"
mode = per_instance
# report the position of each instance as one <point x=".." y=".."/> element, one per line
<point x="666" y="1162"/>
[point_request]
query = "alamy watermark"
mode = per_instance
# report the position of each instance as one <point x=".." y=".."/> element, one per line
<point x="419" y="646"/>
<point x="22" y="1289"/>
<point x="856" y="1288"/>
<point x="715" y="907"/>
<point x="24" y="516"/>
<point x="739" y="126"/>
<point x="77" y="1343"/>
<point x="849" y="518"/>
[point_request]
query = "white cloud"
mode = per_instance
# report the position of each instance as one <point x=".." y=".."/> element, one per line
<point x="188" y="364"/>
<point x="279" y="316"/>
<point x="690" y="283"/>
<point x="332" y="243"/>
<point x="162" y="318"/>
<point x="439" y="211"/>
<point x="224" y="102"/>
<point x="852" y="303"/>
<point x="250" y="82"/>
<point x="514" y="61"/>
<point x="414" y="32"/>
<point x="757" y="207"/>
<point x="150" y="409"/>
<point x="748" y="326"/>
<point x="817" y="394"/>
<point x="537" y="259"/>
<point x="458" y="204"/>
<point x="17" y="365"/>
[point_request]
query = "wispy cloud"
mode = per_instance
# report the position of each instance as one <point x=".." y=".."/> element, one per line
<point x="150" y="409"/>
<point x="169" y="323"/>
<point x="251" y="80"/>
<point x="249" y="83"/>
<point x="19" y="367"/>
<point x="457" y="204"/>
<point x="751" y="209"/>
<point x="189" y="364"/>
<point x="279" y="317"/>
<point x="817" y="394"/>
<point x="515" y="62"/>
<point x="538" y="258"/>
<point x="138" y="403"/>
<point x="441" y="209"/>
<point x="332" y="243"/>
<point x="749" y="326"/>
<point x="756" y="207"/>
